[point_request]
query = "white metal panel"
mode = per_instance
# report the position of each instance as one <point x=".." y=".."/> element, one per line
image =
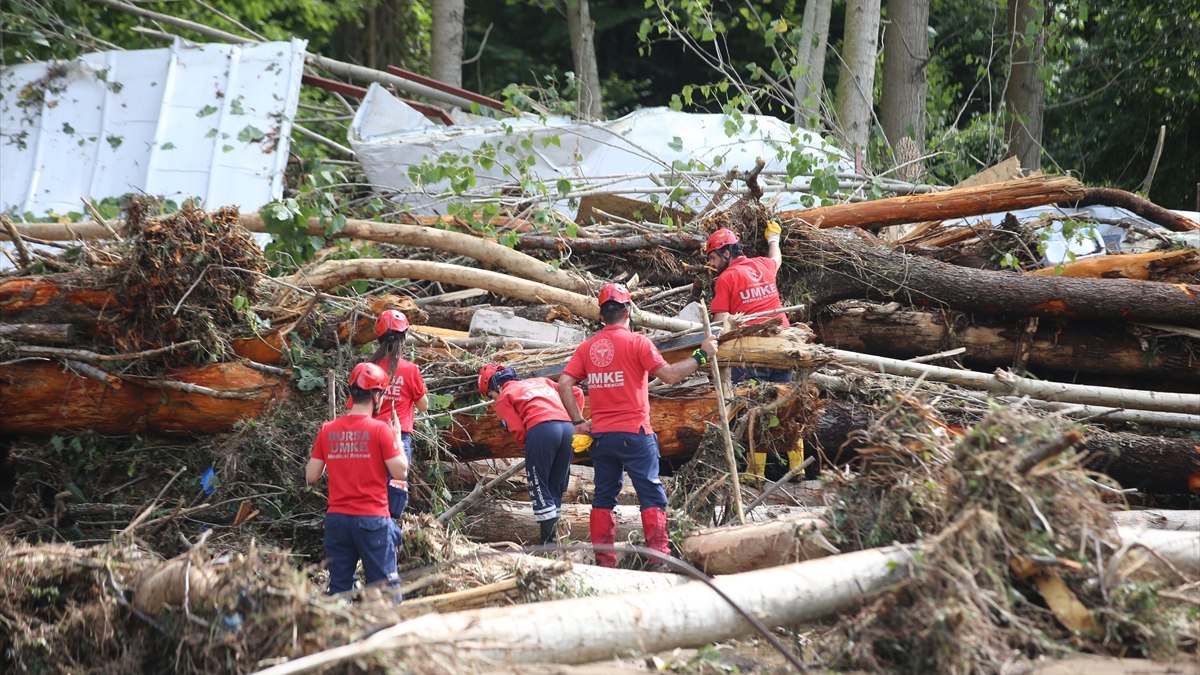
<point x="209" y="121"/>
<point x="617" y="154"/>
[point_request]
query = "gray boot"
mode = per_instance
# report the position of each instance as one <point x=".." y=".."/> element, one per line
<point x="549" y="531"/>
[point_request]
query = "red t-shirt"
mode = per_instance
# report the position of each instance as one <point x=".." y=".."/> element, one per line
<point x="402" y="394"/>
<point x="747" y="286"/>
<point x="354" y="449"/>
<point x="616" y="363"/>
<point x="524" y="404"/>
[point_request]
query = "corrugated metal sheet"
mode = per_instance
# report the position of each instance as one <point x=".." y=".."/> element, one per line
<point x="211" y="121"/>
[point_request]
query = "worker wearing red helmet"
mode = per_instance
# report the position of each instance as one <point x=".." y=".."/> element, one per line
<point x="405" y="389"/>
<point x="616" y="364"/>
<point x="359" y="453"/>
<point x="746" y="286"/>
<point x="531" y="410"/>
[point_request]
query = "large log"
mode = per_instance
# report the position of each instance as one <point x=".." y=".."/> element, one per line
<point x="594" y="629"/>
<point x="48" y="334"/>
<point x="754" y="546"/>
<point x="333" y="273"/>
<point x="842" y="266"/>
<point x="502" y="520"/>
<point x="679" y="420"/>
<point x="1169" y="266"/>
<point x="955" y="203"/>
<point x="1087" y="347"/>
<point x="43" y="398"/>
<point x="459" y="318"/>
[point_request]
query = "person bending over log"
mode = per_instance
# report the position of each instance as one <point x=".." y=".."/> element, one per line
<point x="532" y="411"/>
<point x="405" y="390"/>
<point x="616" y="364"/>
<point x="746" y="286"/>
<point x="359" y="452"/>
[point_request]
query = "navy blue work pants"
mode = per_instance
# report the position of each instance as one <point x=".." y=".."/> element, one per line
<point x="615" y="453"/>
<point x="371" y="539"/>
<point x="547" y="464"/>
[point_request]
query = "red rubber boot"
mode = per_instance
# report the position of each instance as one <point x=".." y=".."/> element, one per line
<point x="654" y="528"/>
<point x="603" y="525"/>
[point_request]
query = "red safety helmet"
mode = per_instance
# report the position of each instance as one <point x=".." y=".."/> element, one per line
<point x="614" y="293"/>
<point x="720" y="239"/>
<point x="390" y="320"/>
<point x="368" y="376"/>
<point x="485" y="377"/>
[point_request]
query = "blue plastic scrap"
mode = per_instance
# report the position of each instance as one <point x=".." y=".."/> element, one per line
<point x="208" y="481"/>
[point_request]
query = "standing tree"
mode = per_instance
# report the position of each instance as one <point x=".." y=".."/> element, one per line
<point x="810" y="62"/>
<point x="583" y="55"/>
<point x="1025" y="92"/>
<point x="446" y="50"/>
<point x="856" y="81"/>
<point x="905" y="56"/>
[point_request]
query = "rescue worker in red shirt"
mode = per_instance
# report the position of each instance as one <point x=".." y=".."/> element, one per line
<point x="617" y="364"/>
<point x="531" y="410"/>
<point x="746" y="286"/>
<point x="405" y="390"/>
<point x="359" y="452"/>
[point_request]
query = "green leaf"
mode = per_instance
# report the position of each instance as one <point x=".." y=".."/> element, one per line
<point x="168" y="146"/>
<point x="251" y="134"/>
<point x="564" y="186"/>
<point x="676" y="144"/>
<point x="206" y="111"/>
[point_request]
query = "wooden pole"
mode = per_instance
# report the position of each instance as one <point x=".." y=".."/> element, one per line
<point x="721" y="411"/>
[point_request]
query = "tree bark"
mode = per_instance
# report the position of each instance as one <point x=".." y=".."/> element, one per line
<point x="583" y="54"/>
<point x="840" y="267"/>
<point x="503" y="520"/>
<point x="1142" y="207"/>
<point x="446" y="42"/>
<point x="810" y="57"/>
<point x="40" y="398"/>
<point x="459" y="318"/>
<point x="856" y="81"/>
<point x="754" y="546"/>
<point x="1152" y="464"/>
<point x="1025" y="92"/>
<point x="955" y="203"/>
<point x="1087" y="347"/>
<point x="333" y="273"/>
<point x="1173" y="266"/>
<point x="680" y="241"/>
<point x="905" y="55"/>
<point x="58" y="334"/>
<point x="595" y="629"/>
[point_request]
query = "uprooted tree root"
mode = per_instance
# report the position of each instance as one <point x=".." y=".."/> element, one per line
<point x="996" y="510"/>
<point x="186" y="276"/>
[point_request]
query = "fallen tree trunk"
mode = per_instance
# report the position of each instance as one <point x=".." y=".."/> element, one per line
<point x="41" y="398"/>
<point x="1142" y="207"/>
<point x="57" y="334"/>
<point x="502" y="520"/>
<point x="333" y="273"/>
<point x="1159" y="519"/>
<point x="837" y="267"/>
<point x="1154" y="464"/>
<point x="753" y="546"/>
<point x="1009" y="195"/>
<point x="1091" y="347"/>
<point x="595" y="629"/>
<point x="680" y="241"/>
<point x="1007" y="383"/>
<point x="1167" y="266"/>
<point x="459" y="318"/>
<point x="485" y="251"/>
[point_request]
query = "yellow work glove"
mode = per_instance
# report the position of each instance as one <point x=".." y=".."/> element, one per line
<point x="773" y="231"/>
<point x="581" y="442"/>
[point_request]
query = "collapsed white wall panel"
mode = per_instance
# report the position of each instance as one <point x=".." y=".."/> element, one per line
<point x="617" y="155"/>
<point x="209" y="121"/>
